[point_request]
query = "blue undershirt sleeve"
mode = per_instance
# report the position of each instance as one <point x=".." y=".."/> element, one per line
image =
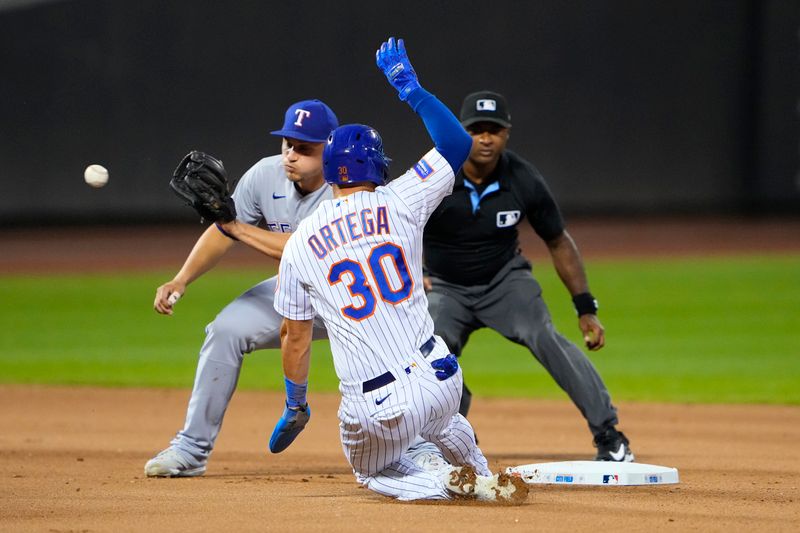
<point x="450" y="138"/>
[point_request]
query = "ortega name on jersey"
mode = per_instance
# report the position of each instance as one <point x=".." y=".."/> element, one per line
<point x="350" y="227"/>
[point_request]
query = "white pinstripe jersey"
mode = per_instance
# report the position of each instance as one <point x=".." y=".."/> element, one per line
<point x="357" y="262"/>
<point x="265" y="196"/>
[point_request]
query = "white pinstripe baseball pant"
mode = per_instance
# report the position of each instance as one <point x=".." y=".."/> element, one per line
<point x="378" y="426"/>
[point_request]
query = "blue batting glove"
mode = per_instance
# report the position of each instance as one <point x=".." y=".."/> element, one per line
<point x="288" y="427"/>
<point x="392" y="59"/>
<point x="445" y="367"/>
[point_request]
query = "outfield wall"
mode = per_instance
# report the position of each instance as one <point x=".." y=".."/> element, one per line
<point x="625" y="106"/>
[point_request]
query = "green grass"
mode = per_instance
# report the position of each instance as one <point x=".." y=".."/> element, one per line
<point x="710" y="330"/>
<point x="687" y="330"/>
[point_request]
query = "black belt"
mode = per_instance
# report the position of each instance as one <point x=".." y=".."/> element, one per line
<point x="387" y="377"/>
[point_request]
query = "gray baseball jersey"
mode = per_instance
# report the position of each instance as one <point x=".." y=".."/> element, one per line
<point x="264" y="196"/>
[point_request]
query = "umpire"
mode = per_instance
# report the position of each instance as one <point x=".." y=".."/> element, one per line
<point x="478" y="278"/>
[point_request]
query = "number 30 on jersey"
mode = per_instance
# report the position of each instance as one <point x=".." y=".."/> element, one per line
<point x="386" y="254"/>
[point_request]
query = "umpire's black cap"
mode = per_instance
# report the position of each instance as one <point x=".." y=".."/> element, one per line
<point x="485" y="106"/>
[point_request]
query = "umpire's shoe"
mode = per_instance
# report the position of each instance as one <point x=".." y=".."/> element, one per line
<point x="612" y="445"/>
<point x="172" y="462"/>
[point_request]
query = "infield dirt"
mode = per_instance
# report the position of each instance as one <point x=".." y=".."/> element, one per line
<point x="71" y="459"/>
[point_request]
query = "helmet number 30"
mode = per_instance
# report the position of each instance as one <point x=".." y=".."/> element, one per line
<point x="386" y="255"/>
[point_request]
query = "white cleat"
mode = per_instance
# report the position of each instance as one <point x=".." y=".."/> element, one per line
<point x="173" y="463"/>
<point x="463" y="482"/>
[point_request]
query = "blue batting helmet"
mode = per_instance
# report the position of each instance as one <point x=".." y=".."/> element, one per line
<point x="354" y="154"/>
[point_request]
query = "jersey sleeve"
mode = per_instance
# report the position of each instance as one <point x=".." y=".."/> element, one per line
<point x="292" y="299"/>
<point x="424" y="186"/>
<point x="245" y="197"/>
<point x="543" y="212"/>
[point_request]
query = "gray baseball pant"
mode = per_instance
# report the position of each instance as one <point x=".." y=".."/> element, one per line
<point x="511" y="304"/>
<point x="246" y="324"/>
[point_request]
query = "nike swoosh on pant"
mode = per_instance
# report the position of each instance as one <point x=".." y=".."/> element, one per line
<point x="380" y="401"/>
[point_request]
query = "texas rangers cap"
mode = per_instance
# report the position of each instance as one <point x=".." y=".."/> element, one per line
<point x="309" y="120"/>
<point x="485" y="106"/>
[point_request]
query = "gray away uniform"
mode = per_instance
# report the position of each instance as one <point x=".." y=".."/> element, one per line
<point x="264" y="196"/>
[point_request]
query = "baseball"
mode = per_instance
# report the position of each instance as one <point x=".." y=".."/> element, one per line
<point x="96" y="175"/>
<point x="173" y="298"/>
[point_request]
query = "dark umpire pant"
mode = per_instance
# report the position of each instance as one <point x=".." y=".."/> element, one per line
<point x="512" y="305"/>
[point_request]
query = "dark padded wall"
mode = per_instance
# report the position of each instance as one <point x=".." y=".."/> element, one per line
<point x="623" y="105"/>
<point x="776" y="169"/>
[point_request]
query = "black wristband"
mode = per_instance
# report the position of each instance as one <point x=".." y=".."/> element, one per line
<point x="221" y="230"/>
<point x="585" y="304"/>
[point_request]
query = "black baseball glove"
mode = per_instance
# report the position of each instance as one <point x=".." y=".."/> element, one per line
<point x="201" y="181"/>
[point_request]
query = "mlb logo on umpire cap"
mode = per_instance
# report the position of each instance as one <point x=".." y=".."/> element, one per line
<point x="309" y="120"/>
<point x="485" y="106"/>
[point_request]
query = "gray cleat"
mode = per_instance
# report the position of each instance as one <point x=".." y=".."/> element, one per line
<point x="174" y="463"/>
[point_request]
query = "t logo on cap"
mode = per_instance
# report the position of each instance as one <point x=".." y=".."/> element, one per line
<point x="486" y="105"/>
<point x="308" y="120"/>
<point x="301" y="114"/>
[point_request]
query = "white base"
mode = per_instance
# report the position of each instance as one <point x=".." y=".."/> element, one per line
<point x="595" y="473"/>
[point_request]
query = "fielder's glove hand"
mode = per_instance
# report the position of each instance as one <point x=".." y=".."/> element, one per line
<point x="392" y="59"/>
<point x="288" y="427"/>
<point x="201" y="181"/>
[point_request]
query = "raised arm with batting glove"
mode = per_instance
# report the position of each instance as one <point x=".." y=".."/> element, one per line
<point x="392" y="59"/>
<point x="450" y="138"/>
